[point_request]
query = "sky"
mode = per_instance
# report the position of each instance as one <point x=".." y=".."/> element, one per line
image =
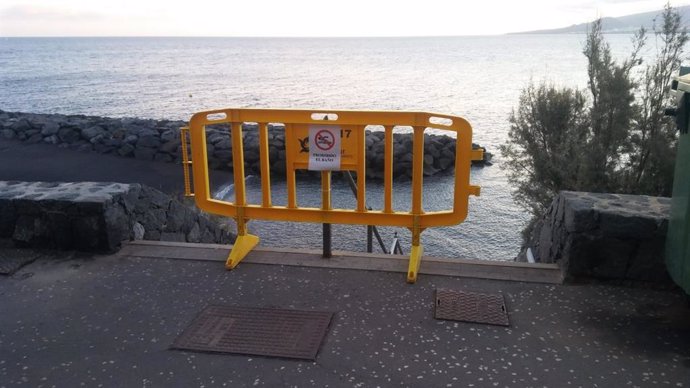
<point x="309" y="18"/>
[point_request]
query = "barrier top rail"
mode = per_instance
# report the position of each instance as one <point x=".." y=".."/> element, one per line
<point x="327" y="140"/>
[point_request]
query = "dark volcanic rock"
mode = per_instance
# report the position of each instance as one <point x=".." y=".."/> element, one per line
<point x="68" y="135"/>
<point x="90" y="216"/>
<point x="607" y="236"/>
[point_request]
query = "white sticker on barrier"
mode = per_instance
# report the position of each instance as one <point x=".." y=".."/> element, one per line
<point x="324" y="147"/>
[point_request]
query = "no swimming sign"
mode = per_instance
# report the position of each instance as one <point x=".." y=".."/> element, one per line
<point x="324" y="147"/>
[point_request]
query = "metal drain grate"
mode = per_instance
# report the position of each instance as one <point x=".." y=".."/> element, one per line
<point x="471" y="307"/>
<point x="256" y="331"/>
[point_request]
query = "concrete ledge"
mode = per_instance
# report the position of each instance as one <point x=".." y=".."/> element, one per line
<point x="538" y="273"/>
<point x="97" y="216"/>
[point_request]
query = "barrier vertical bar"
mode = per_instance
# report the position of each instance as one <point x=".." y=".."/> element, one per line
<point x="200" y="169"/>
<point x="463" y="152"/>
<point x="265" y="165"/>
<point x="326" y="190"/>
<point x="388" y="171"/>
<point x="417" y="169"/>
<point x="361" y="170"/>
<point x="244" y="242"/>
<point x="416" y="251"/>
<point x="326" y="205"/>
<point x="289" y="167"/>
<point x="238" y="164"/>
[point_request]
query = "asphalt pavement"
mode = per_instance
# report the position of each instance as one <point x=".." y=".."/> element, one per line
<point x="81" y="320"/>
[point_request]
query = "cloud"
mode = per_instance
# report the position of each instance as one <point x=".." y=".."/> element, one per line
<point x="76" y="19"/>
<point x="23" y="13"/>
<point x="622" y="1"/>
<point x="632" y="5"/>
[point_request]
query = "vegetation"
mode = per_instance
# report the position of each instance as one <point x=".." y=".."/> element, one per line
<point x="610" y="137"/>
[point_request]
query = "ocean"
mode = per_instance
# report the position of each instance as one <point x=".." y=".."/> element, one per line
<point x="478" y="78"/>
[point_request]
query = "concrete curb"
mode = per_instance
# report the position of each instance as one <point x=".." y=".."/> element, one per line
<point x="498" y="270"/>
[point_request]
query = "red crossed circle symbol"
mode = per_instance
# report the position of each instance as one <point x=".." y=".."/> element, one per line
<point x="324" y="140"/>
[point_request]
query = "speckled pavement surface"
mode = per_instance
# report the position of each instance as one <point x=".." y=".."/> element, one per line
<point x="109" y="322"/>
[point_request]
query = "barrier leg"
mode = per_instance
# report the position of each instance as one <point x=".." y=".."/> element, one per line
<point x="244" y="243"/>
<point x="415" y="254"/>
<point x="415" y="261"/>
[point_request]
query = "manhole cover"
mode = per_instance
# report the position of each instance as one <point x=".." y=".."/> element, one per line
<point x="471" y="307"/>
<point x="256" y="331"/>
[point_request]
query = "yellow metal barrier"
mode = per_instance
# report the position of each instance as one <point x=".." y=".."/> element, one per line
<point x="351" y="126"/>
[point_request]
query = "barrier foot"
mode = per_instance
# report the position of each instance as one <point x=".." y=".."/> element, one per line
<point x="415" y="261"/>
<point x="242" y="246"/>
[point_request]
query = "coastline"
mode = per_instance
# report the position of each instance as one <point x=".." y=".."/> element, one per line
<point x="159" y="140"/>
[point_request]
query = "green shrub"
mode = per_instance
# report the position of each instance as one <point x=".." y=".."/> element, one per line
<point x="611" y="137"/>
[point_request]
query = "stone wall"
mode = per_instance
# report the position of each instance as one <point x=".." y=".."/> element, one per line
<point x="606" y="236"/>
<point x="90" y="216"/>
<point x="160" y="140"/>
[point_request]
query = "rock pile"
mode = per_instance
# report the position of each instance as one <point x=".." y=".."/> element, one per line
<point x="90" y="216"/>
<point x="128" y="137"/>
<point x="159" y="140"/>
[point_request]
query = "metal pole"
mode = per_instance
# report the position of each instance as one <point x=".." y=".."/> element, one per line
<point x="371" y="229"/>
<point x="327" y="254"/>
<point x="326" y="204"/>
<point x="380" y="240"/>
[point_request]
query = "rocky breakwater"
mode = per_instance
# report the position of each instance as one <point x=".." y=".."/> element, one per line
<point x="159" y="140"/>
<point x="606" y="236"/>
<point x="90" y="216"/>
<point x="127" y="137"/>
<point x="439" y="151"/>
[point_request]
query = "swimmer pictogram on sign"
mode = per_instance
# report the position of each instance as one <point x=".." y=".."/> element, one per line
<point x="324" y="139"/>
<point x="325" y="153"/>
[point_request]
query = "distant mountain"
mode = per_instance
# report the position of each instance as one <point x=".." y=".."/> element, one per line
<point x="619" y="25"/>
